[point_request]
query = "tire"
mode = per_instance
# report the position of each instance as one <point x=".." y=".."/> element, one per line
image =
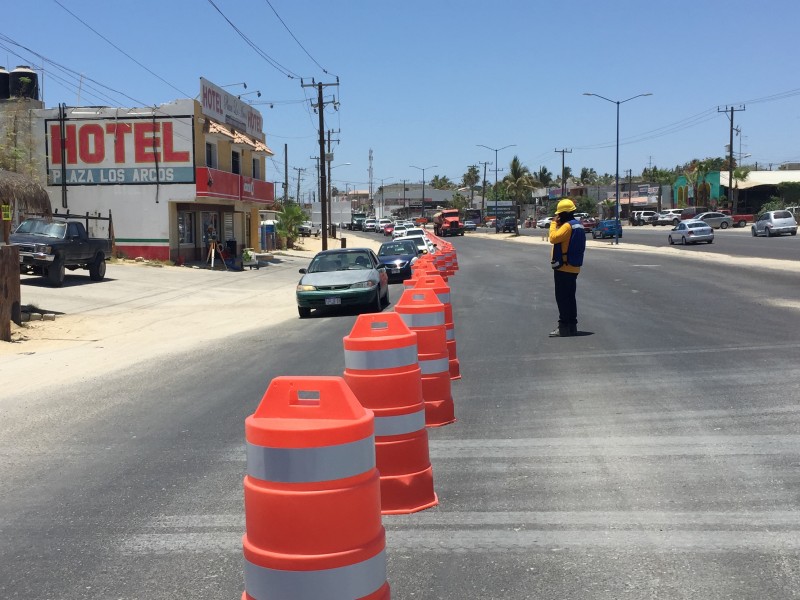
<point x="377" y="304"/>
<point x="55" y="272"/>
<point x="97" y="269"/>
<point x="769" y="231"/>
<point x="793" y="232"/>
<point x="304" y="312"/>
<point x="386" y="300"/>
<point x="741" y="223"/>
<point x="671" y="241"/>
<point x="710" y="241"/>
<point x="753" y="231"/>
<point x="723" y="225"/>
<point x="683" y="240"/>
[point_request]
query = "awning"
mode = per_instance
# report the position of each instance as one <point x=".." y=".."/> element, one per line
<point x="757" y="178"/>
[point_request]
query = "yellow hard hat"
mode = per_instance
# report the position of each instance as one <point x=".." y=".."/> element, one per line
<point x="565" y="205"/>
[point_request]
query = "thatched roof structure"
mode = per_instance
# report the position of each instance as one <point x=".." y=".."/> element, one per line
<point x="23" y="192"/>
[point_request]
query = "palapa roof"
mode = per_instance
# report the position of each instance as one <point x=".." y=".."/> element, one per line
<point x="28" y="195"/>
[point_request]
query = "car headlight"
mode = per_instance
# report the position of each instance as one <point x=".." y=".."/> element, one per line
<point x="364" y="284"/>
<point x="305" y="288"/>
<point x="41" y="248"/>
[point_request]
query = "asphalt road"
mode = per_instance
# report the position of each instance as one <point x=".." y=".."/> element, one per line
<point x="656" y="455"/>
<point x="733" y="242"/>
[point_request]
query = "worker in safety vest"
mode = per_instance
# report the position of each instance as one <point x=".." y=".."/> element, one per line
<point x="569" y="244"/>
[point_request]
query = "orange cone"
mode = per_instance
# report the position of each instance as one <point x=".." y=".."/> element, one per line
<point x="312" y="495"/>
<point x="423" y="313"/>
<point x="442" y="290"/>
<point x="381" y="368"/>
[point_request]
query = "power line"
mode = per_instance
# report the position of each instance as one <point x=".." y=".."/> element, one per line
<point x="121" y="50"/>
<point x="271" y="61"/>
<point x="294" y="38"/>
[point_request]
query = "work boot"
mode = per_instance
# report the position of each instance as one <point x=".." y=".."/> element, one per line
<point x="560" y="331"/>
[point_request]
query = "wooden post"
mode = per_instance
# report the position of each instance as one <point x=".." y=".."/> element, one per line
<point x="10" y="308"/>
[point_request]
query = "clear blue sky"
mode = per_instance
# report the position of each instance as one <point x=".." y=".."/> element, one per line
<point x="423" y="82"/>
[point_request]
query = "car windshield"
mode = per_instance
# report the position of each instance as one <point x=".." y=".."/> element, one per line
<point x="782" y="214"/>
<point x="398" y="248"/>
<point x="339" y="261"/>
<point x="43" y="228"/>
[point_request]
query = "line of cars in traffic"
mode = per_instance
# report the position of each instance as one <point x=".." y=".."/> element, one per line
<point x="360" y="277"/>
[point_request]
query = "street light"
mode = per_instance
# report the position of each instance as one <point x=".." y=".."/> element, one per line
<point x="330" y="200"/>
<point x="495" y="150"/>
<point x="422" y="208"/>
<point x="618" y="102"/>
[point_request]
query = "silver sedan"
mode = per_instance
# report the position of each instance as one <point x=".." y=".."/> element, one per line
<point x="717" y="220"/>
<point x="691" y="232"/>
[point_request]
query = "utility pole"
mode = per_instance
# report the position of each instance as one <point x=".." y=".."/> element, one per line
<point x="730" y="155"/>
<point x="563" y="151"/>
<point x="285" y="173"/>
<point x="329" y="160"/>
<point x="405" y="208"/>
<point x="483" y="191"/>
<point x="320" y="108"/>
<point x="299" y="178"/>
<point x="630" y="192"/>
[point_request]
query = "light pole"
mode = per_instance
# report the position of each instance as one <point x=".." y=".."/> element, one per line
<point x="495" y="150"/>
<point x="383" y="209"/>
<point x="330" y="199"/>
<point x="422" y="208"/>
<point x="616" y="178"/>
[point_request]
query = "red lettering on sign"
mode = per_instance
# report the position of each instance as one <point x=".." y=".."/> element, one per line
<point x="212" y="99"/>
<point x="55" y="144"/>
<point x="146" y="142"/>
<point x="91" y="144"/>
<point x="169" y="153"/>
<point x="119" y="131"/>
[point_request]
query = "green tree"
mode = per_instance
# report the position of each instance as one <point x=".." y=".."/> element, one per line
<point x="586" y="204"/>
<point x="289" y="219"/>
<point x="588" y="177"/>
<point x="459" y="201"/>
<point x="661" y="177"/>
<point x="544" y="177"/>
<point x="609" y="208"/>
<point x="470" y="179"/>
<point x="441" y="182"/>
<point x="789" y="192"/>
<point x="739" y="174"/>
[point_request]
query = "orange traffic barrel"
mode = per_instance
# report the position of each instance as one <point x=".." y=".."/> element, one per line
<point x="442" y="290"/>
<point x="312" y="495"/>
<point x="423" y="313"/>
<point x="382" y="370"/>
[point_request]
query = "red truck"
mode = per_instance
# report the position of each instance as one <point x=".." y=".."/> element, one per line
<point x="447" y="222"/>
<point x="739" y="220"/>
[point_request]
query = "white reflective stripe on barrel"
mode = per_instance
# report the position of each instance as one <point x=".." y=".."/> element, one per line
<point x="306" y="465"/>
<point x="451" y="334"/>
<point x="380" y="359"/>
<point x="439" y="365"/>
<point x="444" y="297"/>
<point x="344" y="583"/>
<point x="431" y="319"/>
<point x="399" y="424"/>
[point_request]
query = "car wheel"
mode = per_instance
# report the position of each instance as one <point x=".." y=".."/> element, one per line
<point x="793" y="232"/>
<point x="671" y="241"/>
<point x="723" y="225"/>
<point x="675" y="222"/>
<point x="741" y="223"/>
<point x="97" y="270"/>
<point x="753" y="231"/>
<point x="386" y="300"/>
<point x="304" y="312"/>
<point x="683" y="240"/>
<point x="55" y="272"/>
<point x="710" y="241"/>
<point x="769" y="231"/>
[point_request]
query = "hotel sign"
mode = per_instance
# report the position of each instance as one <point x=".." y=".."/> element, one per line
<point x="226" y="108"/>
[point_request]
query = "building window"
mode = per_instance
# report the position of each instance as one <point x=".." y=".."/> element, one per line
<point x="256" y="169"/>
<point x="236" y="166"/>
<point x="186" y="228"/>
<point x="211" y="155"/>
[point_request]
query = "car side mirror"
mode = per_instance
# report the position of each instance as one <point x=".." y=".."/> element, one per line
<point x="304" y="271"/>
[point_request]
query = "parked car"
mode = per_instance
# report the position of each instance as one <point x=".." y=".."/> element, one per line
<point x="775" y="222"/>
<point x="306" y="228"/>
<point x="343" y="277"/>
<point x="670" y="216"/>
<point x="692" y="212"/>
<point x="691" y="232"/>
<point x="588" y="223"/>
<point x="370" y="225"/>
<point x="398" y="231"/>
<point x="470" y="226"/>
<point x="642" y="217"/>
<point x="607" y="228"/>
<point x="398" y="256"/>
<point x="509" y="225"/>
<point x="544" y="223"/>
<point x="717" y="220"/>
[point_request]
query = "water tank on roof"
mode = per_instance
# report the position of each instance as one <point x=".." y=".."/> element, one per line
<point x="24" y="83"/>
<point x="4" y="89"/>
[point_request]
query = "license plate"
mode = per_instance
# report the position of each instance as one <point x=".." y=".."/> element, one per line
<point x="395" y="270"/>
<point x="331" y="301"/>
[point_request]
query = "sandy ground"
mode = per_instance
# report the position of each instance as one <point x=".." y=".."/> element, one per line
<point x="143" y="311"/>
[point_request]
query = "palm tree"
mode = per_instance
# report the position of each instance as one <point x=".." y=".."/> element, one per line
<point x="519" y="182"/>
<point x="470" y="179"/>
<point x="544" y="176"/>
<point x="289" y="219"/>
<point x="739" y="174"/>
<point x="588" y="176"/>
<point x="441" y="182"/>
<point x="662" y="177"/>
